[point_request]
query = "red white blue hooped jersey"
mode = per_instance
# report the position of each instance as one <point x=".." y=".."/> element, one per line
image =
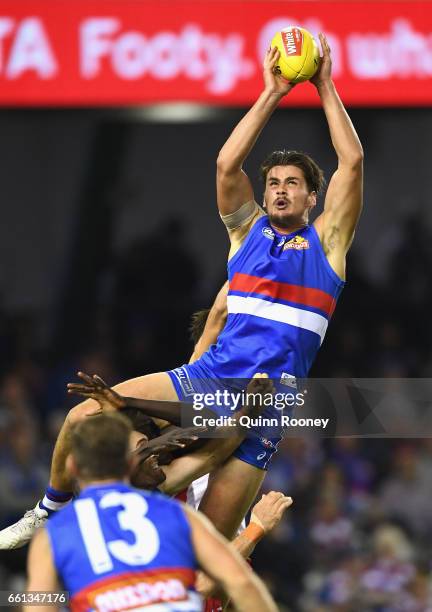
<point x="119" y="548"/>
<point x="282" y="293"/>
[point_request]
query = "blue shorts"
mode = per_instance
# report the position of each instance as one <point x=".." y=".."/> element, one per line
<point x="260" y="443"/>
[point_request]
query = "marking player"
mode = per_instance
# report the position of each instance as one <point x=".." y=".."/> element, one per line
<point x="285" y="276"/>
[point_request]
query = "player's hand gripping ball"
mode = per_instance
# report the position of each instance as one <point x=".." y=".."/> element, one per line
<point x="299" y="54"/>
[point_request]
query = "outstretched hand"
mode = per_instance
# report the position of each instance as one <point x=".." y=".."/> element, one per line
<point x="268" y="512"/>
<point x="273" y="82"/>
<point x="96" y="388"/>
<point x="323" y="74"/>
<point x="176" y="439"/>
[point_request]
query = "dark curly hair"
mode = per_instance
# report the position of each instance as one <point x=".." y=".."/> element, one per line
<point x="313" y="174"/>
<point x="198" y="322"/>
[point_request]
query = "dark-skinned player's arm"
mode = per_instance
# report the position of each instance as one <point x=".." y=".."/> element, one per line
<point x="343" y="203"/>
<point x="234" y="190"/>
<point x="215" y="323"/>
<point x="109" y="400"/>
<point x="42" y="575"/>
<point x="183" y="470"/>
<point x="266" y="515"/>
<point x="226" y="567"/>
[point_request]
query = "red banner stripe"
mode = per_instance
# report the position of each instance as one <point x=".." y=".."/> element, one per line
<point x="128" y="52"/>
<point x="315" y="298"/>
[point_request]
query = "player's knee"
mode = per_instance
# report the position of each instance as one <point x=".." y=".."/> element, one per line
<point x="78" y="413"/>
<point x="214" y="460"/>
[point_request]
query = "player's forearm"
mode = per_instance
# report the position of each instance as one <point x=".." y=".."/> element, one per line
<point x="214" y="326"/>
<point x="240" y="143"/>
<point x="343" y="135"/>
<point x="182" y="471"/>
<point x="158" y="409"/>
<point x="245" y="542"/>
<point x="165" y="410"/>
<point x="215" y="323"/>
<point x="213" y="453"/>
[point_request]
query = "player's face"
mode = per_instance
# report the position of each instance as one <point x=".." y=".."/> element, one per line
<point x="287" y="198"/>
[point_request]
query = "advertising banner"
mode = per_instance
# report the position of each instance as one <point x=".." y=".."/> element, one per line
<point x="134" y="52"/>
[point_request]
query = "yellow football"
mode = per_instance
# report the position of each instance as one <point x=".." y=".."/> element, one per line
<point x="299" y="54"/>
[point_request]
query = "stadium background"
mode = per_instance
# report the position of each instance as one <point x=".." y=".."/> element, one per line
<point x="110" y="239"/>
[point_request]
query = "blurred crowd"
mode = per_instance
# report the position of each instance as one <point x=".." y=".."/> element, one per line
<point x="359" y="535"/>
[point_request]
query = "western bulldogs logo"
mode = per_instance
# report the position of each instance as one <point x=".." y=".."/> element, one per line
<point x="298" y="243"/>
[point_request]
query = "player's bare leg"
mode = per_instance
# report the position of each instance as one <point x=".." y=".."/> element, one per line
<point x="230" y="493"/>
<point x="153" y="386"/>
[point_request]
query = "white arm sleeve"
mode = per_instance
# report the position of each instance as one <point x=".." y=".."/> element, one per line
<point x="241" y="216"/>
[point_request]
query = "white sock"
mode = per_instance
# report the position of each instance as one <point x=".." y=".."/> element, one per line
<point x="48" y="505"/>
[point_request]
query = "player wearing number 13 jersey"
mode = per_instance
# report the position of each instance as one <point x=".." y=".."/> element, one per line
<point x="119" y="548"/>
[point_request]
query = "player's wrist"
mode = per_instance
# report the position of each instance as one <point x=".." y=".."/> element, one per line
<point x="254" y="532"/>
<point x="271" y="94"/>
<point x="325" y="86"/>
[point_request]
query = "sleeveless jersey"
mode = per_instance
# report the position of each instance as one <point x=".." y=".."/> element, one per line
<point x="118" y="548"/>
<point x="282" y="293"/>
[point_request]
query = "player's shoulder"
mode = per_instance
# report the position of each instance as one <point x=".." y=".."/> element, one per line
<point x="247" y="230"/>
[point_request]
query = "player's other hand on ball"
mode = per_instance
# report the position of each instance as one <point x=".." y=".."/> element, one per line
<point x="94" y="387"/>
<point x="268" y="512"/>
<point x="274" y="83"/>
<point x="169" y="442"/>
<point x="259" y="389"/>
<point x="261" y="383"/>
<point x="323" y="74"/>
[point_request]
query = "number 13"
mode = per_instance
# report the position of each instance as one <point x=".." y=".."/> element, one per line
<point x="131" y="518"/>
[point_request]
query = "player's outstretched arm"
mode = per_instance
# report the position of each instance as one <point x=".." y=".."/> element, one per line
<point x="226" y="567"/>
<point x="343" y="203"/>
<point x="42" y="575"/>
<point x="266" y="515"/>
<point x="234" y="190"/>
<point x="109" y="400"/>
<point x="233" y="186"/>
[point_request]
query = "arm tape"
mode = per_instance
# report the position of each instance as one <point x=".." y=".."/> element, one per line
<point x="253" y="532"/>
<point x="240" y="216"/>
